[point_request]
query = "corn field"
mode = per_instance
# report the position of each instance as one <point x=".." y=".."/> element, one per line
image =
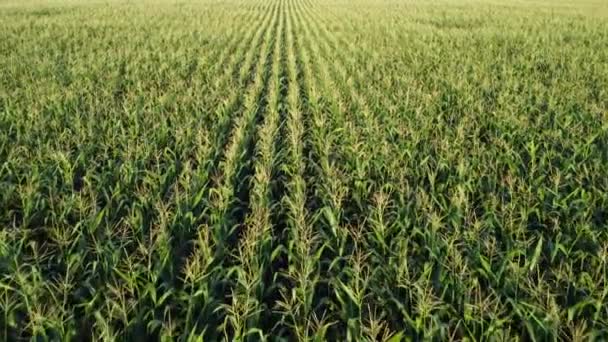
<point x="303" y="170"/>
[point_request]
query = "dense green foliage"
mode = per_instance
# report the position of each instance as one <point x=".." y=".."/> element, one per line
<point x="304" y="169"/>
